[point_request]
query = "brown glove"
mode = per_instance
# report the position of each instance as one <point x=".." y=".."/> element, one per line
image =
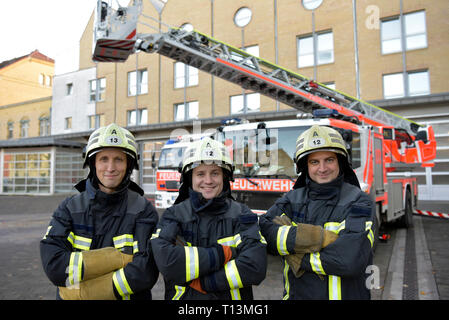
<point x="294" y="261"/>
<point x="101" y="261"/>
<point x="309" y="238"/>
<point x="100" y="288"/>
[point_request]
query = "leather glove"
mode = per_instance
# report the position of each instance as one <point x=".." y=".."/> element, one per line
<point x="100" y="288"/>
<point x="101" y="261"/>
<point x="294" y="261"/>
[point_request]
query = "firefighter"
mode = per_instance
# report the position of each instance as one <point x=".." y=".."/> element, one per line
<point x="97" y="244"/>
<point x="209" y="246"/>
<point x="322" y="228"/>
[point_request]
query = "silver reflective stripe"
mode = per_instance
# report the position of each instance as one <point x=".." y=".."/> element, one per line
<point x="234" y="280"/>
<point x="78" y="242"/>
<point x="192" y="263"/>
<point x="334" y="288"/>
<point x="179" y="292"/>
<point x="282" y="240"/>
<point x="121" y="284"/>
<point x="124" y="240"/>
<point x="75" y="267"/>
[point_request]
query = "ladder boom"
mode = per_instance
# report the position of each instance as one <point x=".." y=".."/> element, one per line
<point x="250" y="72"/>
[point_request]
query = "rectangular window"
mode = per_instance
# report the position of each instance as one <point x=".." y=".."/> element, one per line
<point x="415" y="33"/>
<point x="186" y="111"/>
<point x="10" y="132"/>
<point x="325" y="49"/>
<point x="69" y="89"/>
<point x="96" y="121"/>
<point x="142" y="117"/>
<point x="245" y="103"/>
<point x="137" y="82"/>
<point x="68" y="123"/>
<point x="97" y="89"/>
<point x="44" y="126"/>
<point x="24" y="126"/>
<point x="185" y="75"/>
<point x="418" y="84"/>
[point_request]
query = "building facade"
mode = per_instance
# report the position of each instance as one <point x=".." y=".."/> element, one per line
<point x="25" y="96"/>
<point x="391" y="53"/>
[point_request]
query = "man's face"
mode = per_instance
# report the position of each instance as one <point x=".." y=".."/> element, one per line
<point x="208" y="180"/>
<point x="323" y="166"/>
<point x="110" y="166"/>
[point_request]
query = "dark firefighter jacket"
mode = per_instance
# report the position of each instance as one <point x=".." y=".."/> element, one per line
<point x="337" y="271"/>
<point x="203" y="226"/>
<point x="93" y="219"/>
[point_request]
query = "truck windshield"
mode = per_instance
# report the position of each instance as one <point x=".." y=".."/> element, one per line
<point x="263" y="152"/>
<point x="170" y="158"/>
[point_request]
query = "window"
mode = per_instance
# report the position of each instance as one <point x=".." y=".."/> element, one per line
<point x="26" y="172"/>
<point x="41" y="79"/>
<point x="418" y="84"/>
<point x="24" y="126"/>
<point x="44" y="126"/>
<point x="48" y="81"/>
<point x="69" y="89"/>
<point x="245" y="103"/>
<point x="185" y="75"/>
<point x="142" y="117"/>
<point x="186" y="111"/>
<point x="96" y="121"/>
<point x="325" y="48"/>
<point x="68" y="123"/>
<point x="137" y="82"/>
<point x="415" y="33"/>
<point x="97" y="89"/>
<point x="10" y="129"/>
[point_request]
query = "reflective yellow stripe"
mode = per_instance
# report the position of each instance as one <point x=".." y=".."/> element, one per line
<point x="262" y="239"/>
<point x="46" y="234"/>
<point x="121" y="284"/>
<point x="135" y="247"/>
<point x="315" y="262"/>
<point x="79" y="242"/>
<point x="124" y="240"/>
<point x="370" y="234"/>
<point x="179" y="292"/>
<point x="336" y="227"/>
<point x="334" y="288"/>
<point x="156" y="234"/>
<point x="281" y="242"/>
<point x="286" y="281"/>
<point x="234" y="280"/>
<point x="232" y="241"/>
<point x="192" y="263"/>
<point x="75" y="268"/>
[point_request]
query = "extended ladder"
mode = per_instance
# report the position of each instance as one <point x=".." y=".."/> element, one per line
<point x="250" y="72"/>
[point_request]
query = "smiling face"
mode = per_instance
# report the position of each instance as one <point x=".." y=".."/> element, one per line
<point x="208" y="180"/>
<point x="323" y="166"/>
<point x="110" y="167"/>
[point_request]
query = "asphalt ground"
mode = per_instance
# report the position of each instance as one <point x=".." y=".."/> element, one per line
<point x="24" y="220"/>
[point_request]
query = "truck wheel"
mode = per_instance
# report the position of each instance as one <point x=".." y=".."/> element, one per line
<point x="406" y="220"/>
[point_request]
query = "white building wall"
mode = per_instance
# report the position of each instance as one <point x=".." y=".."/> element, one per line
<point x="75" y="105"/>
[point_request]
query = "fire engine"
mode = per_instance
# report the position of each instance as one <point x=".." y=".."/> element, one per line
<point x="379" y="141"/>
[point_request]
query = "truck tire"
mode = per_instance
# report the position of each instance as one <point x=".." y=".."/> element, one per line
<point x="406" y="220"/>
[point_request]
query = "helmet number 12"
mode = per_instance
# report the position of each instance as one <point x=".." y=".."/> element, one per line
<point x="316" y="142"/>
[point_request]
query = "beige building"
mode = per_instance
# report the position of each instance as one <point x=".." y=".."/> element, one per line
<point x="392" y="53"/>
<point x="25" y="96"/>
